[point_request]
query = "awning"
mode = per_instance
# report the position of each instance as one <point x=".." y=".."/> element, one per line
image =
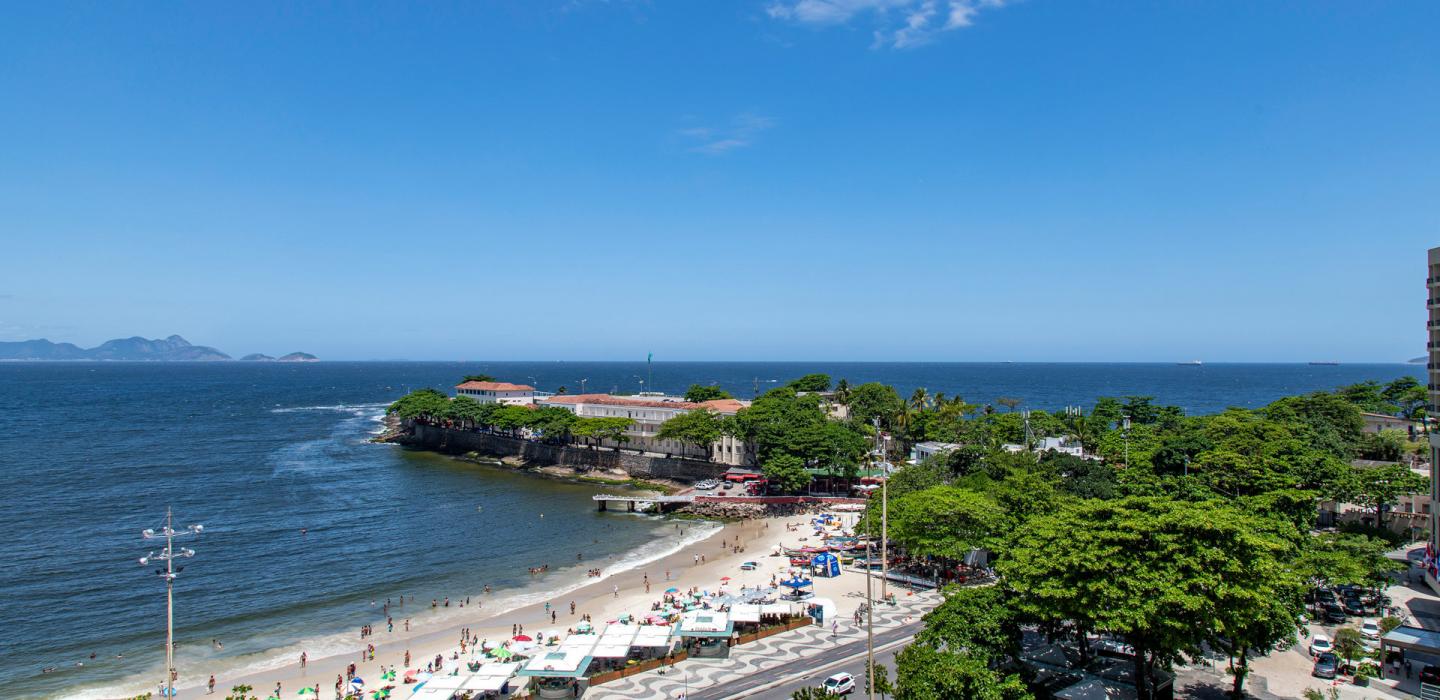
<point x="611" y="651"/>
<point x="652" y="636"/>
<point x="1413" y="638"/>
<point x="745" y="613"/>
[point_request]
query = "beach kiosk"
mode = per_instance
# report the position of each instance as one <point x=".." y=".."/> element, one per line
<point x="706" y="633"/>
<point x="494" y="680"/>
<point x="557" y="672"/>
<point x="825" y="564"/>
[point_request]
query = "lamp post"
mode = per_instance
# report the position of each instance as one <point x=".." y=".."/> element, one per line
<point x="168" y="555"/>
<point x="1125" y="430"/>
<point x="869" y="623"/>
<point x="884" y="511"/>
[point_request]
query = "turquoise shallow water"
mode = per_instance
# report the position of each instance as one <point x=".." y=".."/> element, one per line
<point x="92" y="453"/>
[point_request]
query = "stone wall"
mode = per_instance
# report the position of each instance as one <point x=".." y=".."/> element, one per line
<point x="535" y="454"/>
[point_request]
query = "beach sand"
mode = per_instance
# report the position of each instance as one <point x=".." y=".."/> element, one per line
<point x="600" y="600"/>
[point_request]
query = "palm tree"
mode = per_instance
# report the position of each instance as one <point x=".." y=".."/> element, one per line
<point x="1009" y="402"/>
<point x="920" y="400"/>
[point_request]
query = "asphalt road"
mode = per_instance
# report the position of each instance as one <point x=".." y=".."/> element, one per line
<point x="814" y="670"/>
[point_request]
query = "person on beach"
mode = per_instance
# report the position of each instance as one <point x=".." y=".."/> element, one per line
<point x="407" y="658"/>
<point x="552" y="617"/>
<point x="616" y="590"/>
<point x="303" y="659"/>
<point x="407" y="624"/>
<point x="572" y="607"/>
<point x="211" y="684"/>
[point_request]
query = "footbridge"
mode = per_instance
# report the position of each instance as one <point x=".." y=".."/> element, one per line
<point x="642" y="503"/>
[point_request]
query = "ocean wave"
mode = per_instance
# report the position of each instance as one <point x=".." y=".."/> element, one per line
<point x="198" y="665"/>
<point x="355" y="408"/>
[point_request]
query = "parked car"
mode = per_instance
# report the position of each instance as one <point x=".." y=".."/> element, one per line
<point x="1430" y="674"/>
<point x="1353" y="607"/>
<point x="1320" y="644"/>
<point x="1335" y="614"/>
<point x="839" y="684"/>
<point x="1370" y="629"/>
<point x="706" y="485"/>
<point x="1326" y="666"/>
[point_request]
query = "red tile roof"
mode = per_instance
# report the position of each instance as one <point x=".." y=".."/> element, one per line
<point x="718" y="405"/>
<point x="495" y="386"/>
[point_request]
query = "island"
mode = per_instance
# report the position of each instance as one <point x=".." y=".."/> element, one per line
<point x="133" y="349"/>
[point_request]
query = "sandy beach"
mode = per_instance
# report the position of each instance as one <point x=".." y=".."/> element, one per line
<point x="603" y="600"/>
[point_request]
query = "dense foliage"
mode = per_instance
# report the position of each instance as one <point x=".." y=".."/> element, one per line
<point x="1173" y="534"/>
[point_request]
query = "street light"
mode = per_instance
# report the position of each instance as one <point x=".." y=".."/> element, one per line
<point x="168" y="555"/>
<point x="1125" y="429"/>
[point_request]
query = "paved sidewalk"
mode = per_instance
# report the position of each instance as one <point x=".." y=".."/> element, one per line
<point x="762" y="658"/>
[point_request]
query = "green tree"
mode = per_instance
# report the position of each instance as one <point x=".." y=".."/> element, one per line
<point x="875" y="400"/>
<point x="811" y="382"/>
<point x="479" y="378"/>
<point x="554" y="423"/>
<point x="428" y="404"/>
<point x="602" y="429"/>
<point x="1140" y="409"/>
<point x="698" y="393"/>
<point x="943" y="521"/>
<point x="1177" y="558"/>
<point x="786" y="471"/>
<point x="1388" y="445"/>
<point x="1378" y="487"/>
<point x="1349" y="644"/>
<point x="700" y="428"/>
<point x="925" y="673"/>
<point x="973" y="620"/>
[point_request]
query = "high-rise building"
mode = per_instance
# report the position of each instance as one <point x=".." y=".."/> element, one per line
<point x="1432" y="367"/>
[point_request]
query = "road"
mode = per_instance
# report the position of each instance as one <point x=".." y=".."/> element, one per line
<point x="814" y="670"/>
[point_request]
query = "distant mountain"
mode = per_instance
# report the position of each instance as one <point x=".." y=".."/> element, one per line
<point x="257" y="357"/>
<point x="172" y="349"/>
<point x="1419" y="360"/>
<point x="298" y="357"/>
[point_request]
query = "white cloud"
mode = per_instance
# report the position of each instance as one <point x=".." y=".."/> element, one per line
<point x="899" y="24"/>
<point x="718" y="140"/>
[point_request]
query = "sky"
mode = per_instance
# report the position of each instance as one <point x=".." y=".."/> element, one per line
<point x="930" y="180"/>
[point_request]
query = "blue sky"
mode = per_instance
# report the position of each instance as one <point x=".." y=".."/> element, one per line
<point x="776" y="179"/>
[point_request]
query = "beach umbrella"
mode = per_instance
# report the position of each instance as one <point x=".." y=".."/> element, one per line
<point x="672" y="590"/>
<point x="307" y="691"/>
<point x="501" y="653"/>
<point x="357" y="685"/>
<point x="583" y="626"/>
<point x="523" y="638"/>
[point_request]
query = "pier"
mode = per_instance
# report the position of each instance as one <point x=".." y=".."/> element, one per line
<point x="642" y="503"/>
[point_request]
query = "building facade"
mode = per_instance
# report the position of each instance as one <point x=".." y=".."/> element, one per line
<point x="650" y="411"/>
<point x="497" y="392"/>
<point x="1432" y="366"/>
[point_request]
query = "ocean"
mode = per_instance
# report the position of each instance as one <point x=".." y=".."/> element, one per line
<point x="306" y="523"/>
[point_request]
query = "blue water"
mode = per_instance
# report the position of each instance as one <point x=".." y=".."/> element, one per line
<point x="92" y="453"/>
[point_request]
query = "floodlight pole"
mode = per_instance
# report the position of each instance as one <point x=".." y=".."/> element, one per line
<point x="869" y="625"/>
<point x="169" y="554"/>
